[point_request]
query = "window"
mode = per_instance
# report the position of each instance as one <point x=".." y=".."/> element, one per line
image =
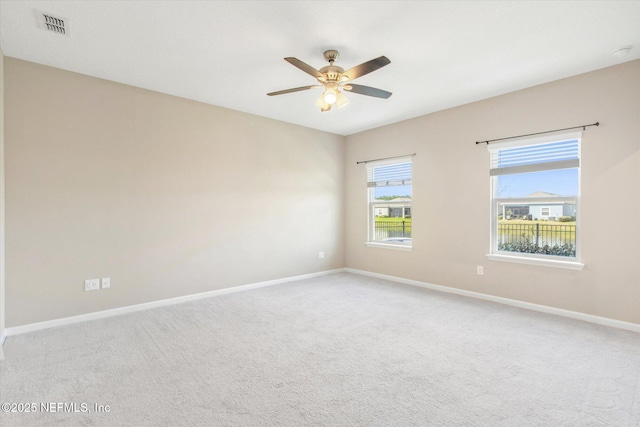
<point x="535" y="188"/>
<point x="389" y="190"/>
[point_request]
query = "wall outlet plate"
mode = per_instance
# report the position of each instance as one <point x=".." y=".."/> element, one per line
<point x="92" y="284"/>
<point x="106" y="282"/>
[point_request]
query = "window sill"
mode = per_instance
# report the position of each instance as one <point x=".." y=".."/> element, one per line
<point x="388" y="246"/>
<point x="570" y="265"/>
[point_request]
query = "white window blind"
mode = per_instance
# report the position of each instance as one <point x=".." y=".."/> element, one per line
<point x="385" y="175"/>
<point x="517" y="158"/>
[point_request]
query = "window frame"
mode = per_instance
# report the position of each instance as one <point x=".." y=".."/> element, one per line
<point x="495" y="254"/>
<point x="372" y="205"/>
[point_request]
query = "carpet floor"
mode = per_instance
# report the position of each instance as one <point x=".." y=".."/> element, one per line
<point x="338" y="350"/>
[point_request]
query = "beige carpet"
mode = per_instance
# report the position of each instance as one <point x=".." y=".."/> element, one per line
<point x="340" y="350"/>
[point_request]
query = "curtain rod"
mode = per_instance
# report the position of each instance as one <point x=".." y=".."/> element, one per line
<point x="385" y="158"/>
<point x="584" y="127"/>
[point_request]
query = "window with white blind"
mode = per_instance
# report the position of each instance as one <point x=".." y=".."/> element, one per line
<point x="535" y="190"/>
<point x="390" y="190"/>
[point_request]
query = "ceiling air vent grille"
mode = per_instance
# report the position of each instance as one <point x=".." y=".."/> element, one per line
<point x="55" y="24"/>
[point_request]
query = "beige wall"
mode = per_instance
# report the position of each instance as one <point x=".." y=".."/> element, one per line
<point x="451" y="194"/>
<point x="166" y="196"/>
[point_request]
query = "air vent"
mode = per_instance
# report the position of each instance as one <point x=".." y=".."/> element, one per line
<point x="55" y="24"/>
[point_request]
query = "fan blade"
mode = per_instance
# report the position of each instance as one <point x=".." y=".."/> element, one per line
<point x="304" y="67"/>
<point x="295" y="89"/>
<point x="366" y="68"/>
<point x="367" y="90"/>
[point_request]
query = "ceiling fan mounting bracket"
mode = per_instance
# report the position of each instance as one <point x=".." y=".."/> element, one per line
<point x="331" y="55"/>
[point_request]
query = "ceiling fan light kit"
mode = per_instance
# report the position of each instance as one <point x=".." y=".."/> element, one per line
<point x="333" y="78"/>
<point x="330" y="96"/>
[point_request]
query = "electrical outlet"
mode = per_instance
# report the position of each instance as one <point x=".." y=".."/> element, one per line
<point x="320" y="254"/>
<point x="480" y="270"/>
<point x="106" y="282"/>
<point x="92" y="284"/>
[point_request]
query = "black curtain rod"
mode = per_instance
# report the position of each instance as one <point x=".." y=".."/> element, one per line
<point x="385" y="158"/>
<point x="584" y="127"/>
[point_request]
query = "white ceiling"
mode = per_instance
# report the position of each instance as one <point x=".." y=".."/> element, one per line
<point x="230" y="53"/>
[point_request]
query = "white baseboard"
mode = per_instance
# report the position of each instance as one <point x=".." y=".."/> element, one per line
<point x="515" y="303"/>
<point x="16" y="330"/>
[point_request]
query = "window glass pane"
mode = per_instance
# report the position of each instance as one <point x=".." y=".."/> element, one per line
<point x="537" y="228"/>
<point x="559" y="182"/>
<point x="390" y="224"/>
<point x="390" y="193"/>
<point x="543" y="226"/>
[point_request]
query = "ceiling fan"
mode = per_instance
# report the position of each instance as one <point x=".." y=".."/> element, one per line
<point x="333" y="79"/>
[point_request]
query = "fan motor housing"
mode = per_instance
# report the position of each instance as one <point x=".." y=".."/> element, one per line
<point x="332" y="72"/>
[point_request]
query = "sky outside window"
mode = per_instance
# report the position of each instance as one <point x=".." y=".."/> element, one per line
<point x="563" y="182"/>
